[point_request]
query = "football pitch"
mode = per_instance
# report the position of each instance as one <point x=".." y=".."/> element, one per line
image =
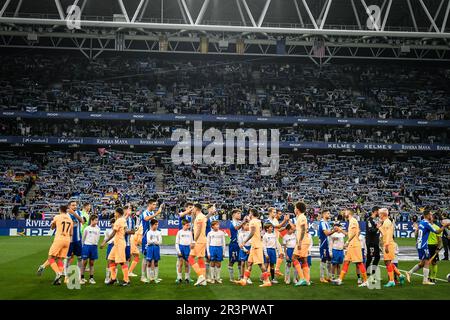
<point x="20" y="257"/>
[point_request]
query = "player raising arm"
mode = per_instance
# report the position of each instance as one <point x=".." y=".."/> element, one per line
<point x="423" y="232"/>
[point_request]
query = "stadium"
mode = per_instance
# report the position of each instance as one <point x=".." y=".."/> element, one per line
<point x="275" y="136"/>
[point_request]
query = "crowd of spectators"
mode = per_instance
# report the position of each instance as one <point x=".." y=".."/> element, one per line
<point x="406" y="186"/>
<point x="248" y="87"/>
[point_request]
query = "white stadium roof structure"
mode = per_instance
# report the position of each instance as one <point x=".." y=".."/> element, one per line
<point x="357" y="29"/>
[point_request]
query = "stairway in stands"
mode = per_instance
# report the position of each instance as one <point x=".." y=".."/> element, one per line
<point x="159" y="179"/>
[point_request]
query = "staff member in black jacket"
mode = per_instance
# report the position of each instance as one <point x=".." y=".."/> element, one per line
<point x="372" y="239"/>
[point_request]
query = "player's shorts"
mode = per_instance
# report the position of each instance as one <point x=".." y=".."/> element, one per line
<point x="424" y="254"/>
<point x="184" y="250"/>
<point x="289" y="253"/>
<point x="271" y="256"/>
<point x="243" y="256"/>
<point x="199" y="250"/>
<point x="354" y="254"/>
<point x="75" y="249"/>
<point x="256" y="256"/>
<point x="108" y="250"/>
<point x="59" y="248"/>
<point x="144" y="243"/>
<point x="233" y="252"/>
<point x="391" y="255"/>
<point x="338" y="256"/>
<point x="363" y="252"/>
<point x="325" y="253"/>
<point x="216" y="254"/>
<point x="433" y="249"/>
<point x="89" y="252"/>
<point x="153" y="253"/>
<point x="117" y="253"/>
<point x="304" y="251"/>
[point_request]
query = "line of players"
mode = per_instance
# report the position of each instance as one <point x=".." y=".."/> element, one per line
<point x="202" y="248"/>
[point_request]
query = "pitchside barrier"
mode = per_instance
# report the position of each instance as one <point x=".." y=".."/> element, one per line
<point x="167" y="227"/>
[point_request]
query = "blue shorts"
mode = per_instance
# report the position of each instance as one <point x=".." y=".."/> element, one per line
<point x="185" y="251"/>
<point x="424" y="254"/>
<point x="144" y="244"/>
<point x="233" y="252"/>
<point x="127" y="252"/>
<point x="272" y="256"/>
<point x="216" y="254"/>
<point x="89" y="251"/>
<point x="338" y="257"/>
<point x="108" y="250"/>
<point x="75" y="249"/>
<point x="309" y="260"/>
<point x="289" y="253"/>
<point x="325" y="253"/>
<point x="243" y="256"/>
<point x="152" y="253"/>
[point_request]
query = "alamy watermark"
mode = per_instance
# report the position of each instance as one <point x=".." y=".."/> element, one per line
<point x="73" y="19"/>
<point x="256" y="141"/>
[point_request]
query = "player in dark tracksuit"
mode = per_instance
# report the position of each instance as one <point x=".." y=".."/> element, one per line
<point x="372" y="240"/>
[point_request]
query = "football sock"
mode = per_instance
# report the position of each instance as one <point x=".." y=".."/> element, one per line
<point x="279" y="262"/>
<point x="108" y="272"/>
<point x="113" y="269"/>
<point x="60" y="266"/>
<point x="231" y="272"/>
<point x="53" y="265"/>
<point x="396" y="271"/>
<point x="306" y="272"/>
<point x="218" y="270"/>
<point x="144" y="268"/>
<point x="246" y="274"/>
<point x="322" y="269"/>
<point x="287" y="273"/>
<point x="179" y="275"/>
<point x="298" y="267"/>
<point x="134" y="264"/>
<point x="240" y="271"/>
<point x="426" y="274"/>
<point x="433" y="271"/>
<point x="362" y="269"/>
<point x="149" y="273"/>
<point x="207" y="271"/>
<point x="265" y="276"/>
<point x="328" y="269"/>
<point x="390" y="271"/>
<point x="344" y="270"/>
<point x="156" y="272"/>
<point x="414" y="269"/>
<point x="125" y="273"/>
<point x="91" y="270"/>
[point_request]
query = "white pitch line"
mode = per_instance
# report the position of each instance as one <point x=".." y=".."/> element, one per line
<point x="417" y="274"/>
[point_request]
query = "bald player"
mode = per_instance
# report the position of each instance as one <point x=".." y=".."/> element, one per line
<point x="301" y="251"/>
<point x="198" y="245"/>
<point x="256" y="255"/>
<point x="354" y="249"/>
<point x="117" y="256"/>
<point x="58" y="251"/>
<point x="386" y="228"/>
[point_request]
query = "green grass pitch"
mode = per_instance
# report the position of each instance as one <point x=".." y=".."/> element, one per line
<point x="20" y="257"/>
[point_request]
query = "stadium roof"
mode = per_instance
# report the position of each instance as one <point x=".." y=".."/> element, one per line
<point x="318" y="29"/>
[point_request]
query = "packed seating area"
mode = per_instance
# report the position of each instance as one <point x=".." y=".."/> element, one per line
<point x="150" y="130"/>
<point x="248" y="87"/>
<point x="324" y="181"/>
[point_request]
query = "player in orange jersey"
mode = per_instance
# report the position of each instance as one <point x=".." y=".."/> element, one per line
<point x="386" y="228"/>
<point x="354" y="250"/>
<point x="58" y="251"/>
<point x="117" y="254"/>
<point x="256" y="255"/>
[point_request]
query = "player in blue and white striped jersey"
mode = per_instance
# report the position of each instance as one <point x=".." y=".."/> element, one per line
<point x="424" y="230"/>
<point x="76" y="246"/>
<point x="325" y="231"/>
<point x="146" y="216"/>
